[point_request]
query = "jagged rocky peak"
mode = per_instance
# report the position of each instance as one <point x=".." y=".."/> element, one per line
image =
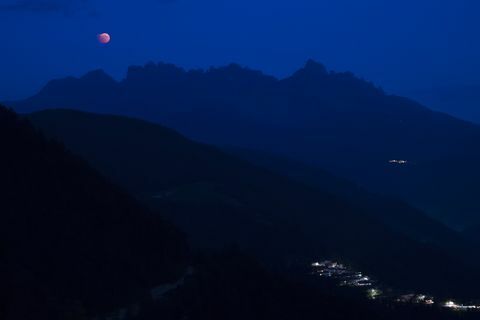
<point x="315" y="67"/>
<point x="98" y="75"/>
<point x="154" y="70"/>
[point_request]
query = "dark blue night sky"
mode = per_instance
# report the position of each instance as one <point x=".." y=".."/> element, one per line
<point x="400" y="45"/>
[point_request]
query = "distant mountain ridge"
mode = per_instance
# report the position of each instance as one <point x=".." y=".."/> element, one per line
<point x="335" y="120"/>
<point x="460" y="100"/>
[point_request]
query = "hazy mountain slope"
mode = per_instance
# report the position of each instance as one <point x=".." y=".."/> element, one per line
<point x="396" y="214"/>
<point x="334" y="120"/>
<point x="462" y="101"/>
<point x="357" y="129"/>
<point x="218" y="198"/>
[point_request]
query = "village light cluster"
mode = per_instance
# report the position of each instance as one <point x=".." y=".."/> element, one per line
<point x="415" y="298"/>
<point x="346" y="276"/>
<point x="452" y="305"/>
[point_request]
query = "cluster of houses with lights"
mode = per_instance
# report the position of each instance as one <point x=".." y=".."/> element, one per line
<point x="346" y="276"/>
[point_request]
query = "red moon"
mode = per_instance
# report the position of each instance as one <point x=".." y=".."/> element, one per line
<point x="103" y="38"/>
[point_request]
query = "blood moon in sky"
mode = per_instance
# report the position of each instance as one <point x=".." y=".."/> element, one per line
<point x="103" y="38"/>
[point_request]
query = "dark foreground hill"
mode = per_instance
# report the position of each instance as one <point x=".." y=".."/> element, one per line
<point x="69" y="240"/>
<point x="334" y="120"/>
<point x="73" y="246"/>
<point x="473" y="233"/>
<point x="219" y="199"/>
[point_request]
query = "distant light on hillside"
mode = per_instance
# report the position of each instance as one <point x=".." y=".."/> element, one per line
<point x="398" y="161"/>
<point x="374" y="293"/>
<point x="453" y="305"/>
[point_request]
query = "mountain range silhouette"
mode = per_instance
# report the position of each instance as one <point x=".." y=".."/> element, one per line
<point x="336" y="121"/>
